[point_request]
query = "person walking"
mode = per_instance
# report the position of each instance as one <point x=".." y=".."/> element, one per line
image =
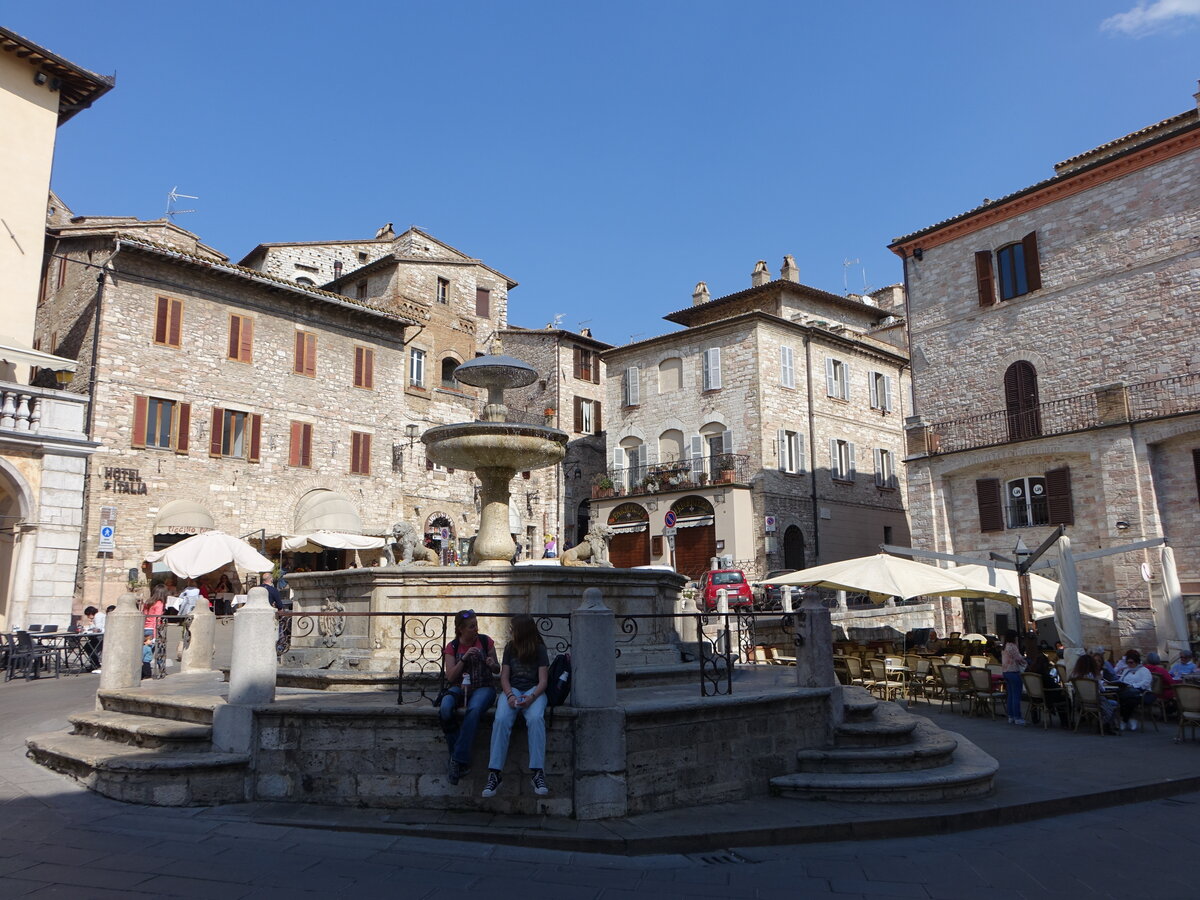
<point x="470" y="666"/>
<point x="1012" y="664"/>
<point x="523" y="680"/>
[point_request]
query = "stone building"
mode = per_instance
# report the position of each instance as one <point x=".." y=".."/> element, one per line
<point x="43" y="447"/>
<point x="569" y="395"/>
<point x="769" y="429"/>
<point x="1057" y="378"/>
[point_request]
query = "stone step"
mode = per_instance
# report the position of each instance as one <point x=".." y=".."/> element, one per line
<point x="928" y="748"/>
<point x="142" y="731"/>
<point x="969" y="774"/>
<point x="159" y="777"/>
<point x="857" y="704"/>
<point x="890" y="726"/>
<point x="180" y="708"/>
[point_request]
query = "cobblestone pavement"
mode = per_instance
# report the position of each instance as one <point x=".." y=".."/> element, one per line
<point x="58" y="840"/>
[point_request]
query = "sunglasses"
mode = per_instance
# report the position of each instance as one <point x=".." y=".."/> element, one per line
<point x="465" y="614"/>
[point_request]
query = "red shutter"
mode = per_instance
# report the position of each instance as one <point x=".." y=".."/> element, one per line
<point x="483" y="302"/>
<point x="246" y="350"/>
<point x="139" y="422"/>
<point x="175" y="331"/>
<point x="306" y="446"/>
<point x="1058" y="496"/>
<point x="255" y="436"/>
<point x="991" y="508"/>
<point x="1033" y="268"/>
<point x="298" y="363"/>
<point x="184" y="426"/>
<point x="364" y="454"/>
<point x="235" y="336"/>
<point x="596" y="417"/>
<point x="595" y="368"/>
<point x="214" y="439"/>
<point x="369" y="368"/>
<point x="983" y="278"/>
<point x="358" y="366"/>
<point x="294" y="444"/>
<point x="161" y="315"/>
<point x="310" y="355"/>
<point x="578" y="352"/>
<point x="578" y="415"/>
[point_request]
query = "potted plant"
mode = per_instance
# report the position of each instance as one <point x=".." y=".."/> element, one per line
<point x="603" y="487"/>
<point x="726" y="466"/>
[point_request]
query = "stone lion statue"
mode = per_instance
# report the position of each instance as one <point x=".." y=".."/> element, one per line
<point x="407" y="549"/>
<point x="593" y="550"/>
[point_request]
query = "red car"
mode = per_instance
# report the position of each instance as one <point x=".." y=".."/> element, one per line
<point x="732" y="581"/>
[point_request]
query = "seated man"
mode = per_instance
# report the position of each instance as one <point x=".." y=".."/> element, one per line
<point x="1154" y="664"/>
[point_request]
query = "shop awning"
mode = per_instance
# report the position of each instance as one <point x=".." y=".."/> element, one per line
<point x="338" y="540"/>
<point x="625" y="527"/>
<point x="325" y="510"/>
<point x="694" y="521"/>
<point x="183" y="517"/>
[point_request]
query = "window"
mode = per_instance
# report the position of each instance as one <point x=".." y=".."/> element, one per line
<point x="885" y="470"/>
<point x="360" y="290"/>
<point x="881" y="392"/>
<point x="360" y="453"/>
<point x="62" y="272"/>
<point x="841" y="460"/>
<point x="587" y="416"/>
<point x="787" y="368"/>
<point x="305" y="362"/>
<point x="711" y="380"/>
<point x="1027" y="501"/>
<point x="791" y="451"/>
<point x="670" y="375"/>
<point x="1018" y="270"/>
<point x="449" y="367"/>
<point x="587" y="365"/>
<point x="235" y="434"/>
<point x="443" y="290"/>
<point x="300" y="445"/>
<point x="483" y="302"/>
<point x="168" y="322"/>
<point x="837" y="378"/>
<point x="241" y="338"/>
<point x="161" y="424"/>
<point x="1021" y="401"/>
<point x="633" y="387"/>
<point x="416" y="367"/>
<point x="364" y="368"/>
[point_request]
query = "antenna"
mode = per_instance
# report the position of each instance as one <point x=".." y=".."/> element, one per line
<point x="557" y="320"/>
<point x="581" y="323"/>
<point x="846" y="264"/>
<point x="173" y="197"/>
<point x="633" y="337"/>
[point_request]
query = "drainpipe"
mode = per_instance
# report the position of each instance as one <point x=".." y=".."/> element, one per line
<point x="101" y="281"/>
<point x="812" y="447"/>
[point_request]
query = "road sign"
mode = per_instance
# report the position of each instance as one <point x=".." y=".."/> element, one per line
<point x="669" y="520"/>
<point x="671" y="540"/>
<point x="670" y="532"/>
<point x="769" y="523"/>
<point x="108" y="529"/>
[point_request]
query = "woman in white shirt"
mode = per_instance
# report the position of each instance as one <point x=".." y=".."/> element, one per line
<point x="1135" y="681"/>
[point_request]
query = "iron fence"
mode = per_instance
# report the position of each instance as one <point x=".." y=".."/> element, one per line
<point x="672" y="475"/>
<point x="1164" y="396"/>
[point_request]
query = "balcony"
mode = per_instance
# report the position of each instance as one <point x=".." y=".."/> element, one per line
<point x="30" y="414"/>
<point x="672" y="475"/>
<point x="1110" y="404"/>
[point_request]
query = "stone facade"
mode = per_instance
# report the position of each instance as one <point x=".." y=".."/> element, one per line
<point x="772" y="420"/>
<point x="1111" y="392"/>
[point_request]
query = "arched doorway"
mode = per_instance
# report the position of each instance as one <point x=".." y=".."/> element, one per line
<point x="16" y="556"/>
<point x="630" y="545"/>
<point x="793" y="548"/>
<point x="696" y="538"/>
<point x="439" y="535"/>
<point x="582" y="519"/>
<point x="1021" y="401"/>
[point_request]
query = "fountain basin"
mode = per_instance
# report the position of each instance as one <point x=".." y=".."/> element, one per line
<point x="506" y="445"/>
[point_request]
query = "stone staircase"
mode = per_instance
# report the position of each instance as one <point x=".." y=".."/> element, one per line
<point x="884" y="754"/>
<point x="146" y="748"/>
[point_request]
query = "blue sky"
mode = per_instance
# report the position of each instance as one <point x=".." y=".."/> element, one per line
<point x="606" y="156"/>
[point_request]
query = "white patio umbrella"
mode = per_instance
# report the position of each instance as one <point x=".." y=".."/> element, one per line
<point x="338" y="540"/>
<point x="1043" y="591"/>
<point x="890" y="576"/>
<point x="208" y="551"/>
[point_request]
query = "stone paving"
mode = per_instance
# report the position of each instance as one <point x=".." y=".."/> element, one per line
<point x="58" y="840"/>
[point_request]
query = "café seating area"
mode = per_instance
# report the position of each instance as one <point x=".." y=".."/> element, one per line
<point x="42" y="651"/>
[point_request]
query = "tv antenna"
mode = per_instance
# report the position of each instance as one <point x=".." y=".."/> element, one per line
<point x="556" y="322"/>
<point x="583" y="322"/>
<point x="846" y="264"/>
<point x="173" y="197"/>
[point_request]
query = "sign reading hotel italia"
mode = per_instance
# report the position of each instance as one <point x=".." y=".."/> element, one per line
<point x="123" y="481"/>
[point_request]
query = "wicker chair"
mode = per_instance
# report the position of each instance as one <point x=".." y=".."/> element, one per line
<point x="951" y="688"/>
<point x="888" y="685"/>
<point x="1087" y="702"/>
<point x="1188" y="698"/>
<point x="983" y="695"/>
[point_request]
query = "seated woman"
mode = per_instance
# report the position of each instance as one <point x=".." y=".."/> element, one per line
<point x="1056" y="697"/>
<point x="523" y="676"/>
<point x="1135" y="684"/>
<point x="1087" y="667"/>
<point x="470" y="666"/>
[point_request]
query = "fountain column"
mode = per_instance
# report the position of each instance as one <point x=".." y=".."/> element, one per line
<point x="494" y="544"/>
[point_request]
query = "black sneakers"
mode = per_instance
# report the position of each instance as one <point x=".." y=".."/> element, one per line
<point x="455" y="771"/>
<point x="493" y="783"/>
<point x="537" y="779"/>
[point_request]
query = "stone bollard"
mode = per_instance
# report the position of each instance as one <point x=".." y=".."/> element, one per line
<point x="202" y="631"/>
<point x="252" y="671"/>
<point x="785" y="596"/>
<point x="689" y="629"/>
<point x="124" y="635"/>
<point x="600" y="784"/>
<point x="722" y="601"/>
<point x="814" y="653"/>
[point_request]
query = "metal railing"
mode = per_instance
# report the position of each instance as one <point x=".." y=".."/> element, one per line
<point x="1164" y="397"/>
<point x="672" y="475"/>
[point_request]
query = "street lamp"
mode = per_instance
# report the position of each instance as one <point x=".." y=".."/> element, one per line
<point x="412" y="431"/>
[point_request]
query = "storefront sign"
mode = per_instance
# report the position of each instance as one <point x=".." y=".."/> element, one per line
<point x="123" y="481"/>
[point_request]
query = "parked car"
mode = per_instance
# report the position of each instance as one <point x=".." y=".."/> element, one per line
<point x="770" y="596"/>
<point x="733" y="581"/>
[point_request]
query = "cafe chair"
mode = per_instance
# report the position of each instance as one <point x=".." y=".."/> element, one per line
<point x="49" y="629"/>
<point x="1188" y="698"/>
<point x="1035" y="692"/>
<point x="34" y="629"/>
<point x="888" y="684"/>
<point x="29" y="658"/>
<point x="952" y="689"/>
<point x="1158" y="706"/>
<point x="1087" y="702"/>
<point x="983" y="696"/>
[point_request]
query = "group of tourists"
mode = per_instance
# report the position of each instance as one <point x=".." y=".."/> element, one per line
<point x="472" y="672"/>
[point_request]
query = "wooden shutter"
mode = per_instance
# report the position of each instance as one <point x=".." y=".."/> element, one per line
<point x="578" y="354"/>
<point x="255" y="436"/>
<point x="161" y="317"/>
<point x="983" y="278"/>
<point x="633" y="387"/>
<point x="175" y="329"/>
<point x="879" y="479"/>
<point x="483" y="302"/>
<point x="991" y="506"/>
<point x="596" y="426"/>
<point x="214" y="438"/>
<point x="183" y="425"/>
<point x="1196" y="466"/>
<point x="235" y="337"/>
<point x="831" y="386"/>
<point x="834" y="463"/>
<point x="1021" y="401"/>
<point x="853" y="459"/>
<point x="310" y="355"/>
<point x="294" y="444"/>
<point x="298" y="363"/>
<point x="595" y="367"/>
<point x="887" y="393"/>
<point x="364" y="454"/>
<point x="781" y="442"/>
<point x="139" y="422"/>
<point x="801" y="459"/>
<point x="1059" y="503"/>
<point x="369" y="368"/>
<point x="1033" y="267"/>
<point x="306" y="445"/>
<point x="358" y="366"/>
<point x="873" y="387"/>
<point x="247" y="347"/>
<point x="726" y="441"/>
<point x="579" y="415"/>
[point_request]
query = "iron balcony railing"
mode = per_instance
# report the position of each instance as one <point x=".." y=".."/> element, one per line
<point x="672" y="475"/>
<point x="1175" y="395"/>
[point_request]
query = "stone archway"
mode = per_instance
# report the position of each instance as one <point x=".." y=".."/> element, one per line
<point x="696" y="538"/>
<point x="630" y="545"/>
<point x="793" y="548"/>
<point x="16" y="546"/>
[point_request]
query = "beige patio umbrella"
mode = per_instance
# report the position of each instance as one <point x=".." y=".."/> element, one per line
<point x="208" y="551"/>
<point x="884" y="576"/>
<point x="1043" y="591"/>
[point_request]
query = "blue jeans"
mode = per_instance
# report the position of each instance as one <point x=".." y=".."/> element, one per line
<point x="461" y="737"/>
<point x="1012" y="700"/>
<point x="535" y="726"/>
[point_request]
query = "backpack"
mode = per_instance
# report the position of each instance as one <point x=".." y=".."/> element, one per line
<point x="558" y="681"/>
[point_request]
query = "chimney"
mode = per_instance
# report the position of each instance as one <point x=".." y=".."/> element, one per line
<point x="586" y="332"/>
<point x="700" y="294"/>
<point x="1196" y="96"/>
<point x="385" y="232"/>
<point x="790" y="271"/>
<point x="761" y="274"/>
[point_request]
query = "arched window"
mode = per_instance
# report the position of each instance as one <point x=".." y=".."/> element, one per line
<point x="449" y="364"/>
<point x="670" y="446"/>
<point x="1021" y="401"/>
<point x="670" y="375"/>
